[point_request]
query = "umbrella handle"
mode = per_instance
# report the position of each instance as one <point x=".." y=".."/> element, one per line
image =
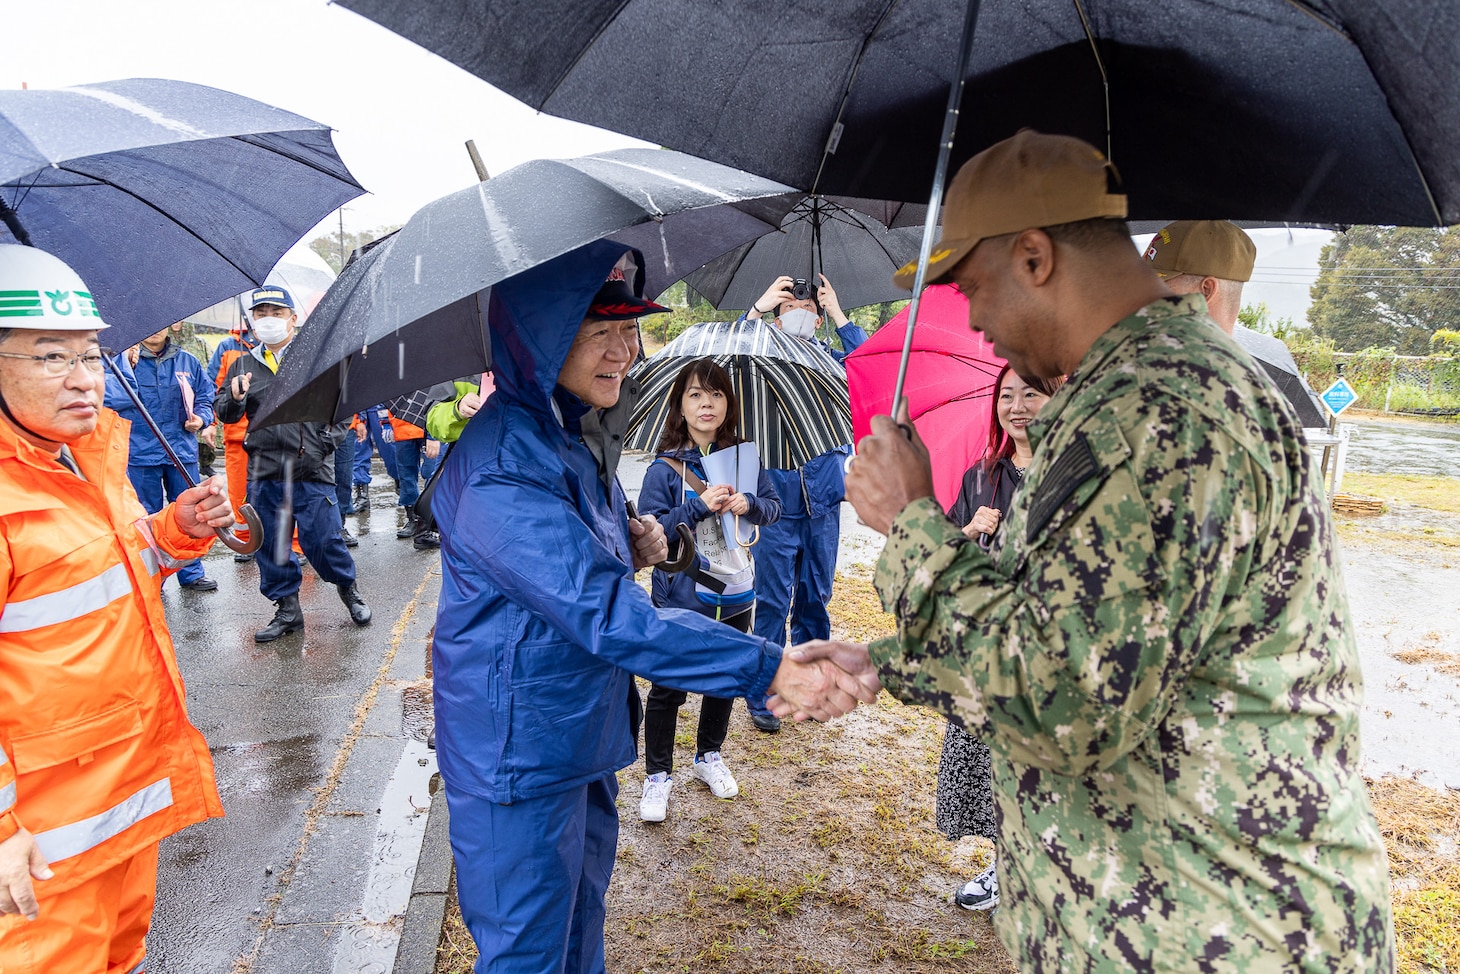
<point x="754" y="535"/>
<point x="255" y="532"/>
<point x="687" y="553"/>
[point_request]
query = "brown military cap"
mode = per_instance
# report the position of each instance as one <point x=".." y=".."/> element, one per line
<point x="1209" y="248"/>
<point x="1029" y="180"/>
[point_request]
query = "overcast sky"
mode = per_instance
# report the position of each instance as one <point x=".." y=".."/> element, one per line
<point x="400" y="115"/>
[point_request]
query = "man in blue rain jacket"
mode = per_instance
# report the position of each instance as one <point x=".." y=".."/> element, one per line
<point x="795" y="562"/>
<point x="541" y="627"/>
<point x="155" y="375"/>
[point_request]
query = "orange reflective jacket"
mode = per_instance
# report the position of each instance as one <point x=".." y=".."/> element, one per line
<point x="223" y="356"/>
<point x="97" y="757"/>
<point x="401" y="430"/>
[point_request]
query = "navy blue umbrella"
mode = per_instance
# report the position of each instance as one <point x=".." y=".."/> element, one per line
<point x="166" y="197"/>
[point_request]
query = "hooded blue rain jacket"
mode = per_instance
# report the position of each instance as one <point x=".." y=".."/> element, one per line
<point x="541" y="626"/>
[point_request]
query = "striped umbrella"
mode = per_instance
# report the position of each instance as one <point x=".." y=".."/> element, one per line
<point x="792" y="393"/>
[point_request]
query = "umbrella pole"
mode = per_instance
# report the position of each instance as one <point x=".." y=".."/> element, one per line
<point x="255" y="526"/>
<point x="256" y="534"/>
<point x="935" y="200"/>
<point x="17" y="230"/>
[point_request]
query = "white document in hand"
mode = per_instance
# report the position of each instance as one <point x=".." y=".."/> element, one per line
<point x="738" y="466"/>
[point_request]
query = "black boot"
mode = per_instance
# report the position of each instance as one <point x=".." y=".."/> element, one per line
<point x="408" y="529"/>
<point x="287" y="619"/>
<point x="349" y="539"/>
<point x="362" y="497"/>
<point x="359" y="611"/>
<point x="426" y="541"/>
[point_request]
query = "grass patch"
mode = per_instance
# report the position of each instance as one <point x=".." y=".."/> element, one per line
<point x="1433" y="493"/>
<point x="1421" y="827"/>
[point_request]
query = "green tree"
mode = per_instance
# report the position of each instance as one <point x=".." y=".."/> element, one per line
<point x="331" y="245"/>
<point x="1387" y="287"/>
<point x="1259" y="318"/>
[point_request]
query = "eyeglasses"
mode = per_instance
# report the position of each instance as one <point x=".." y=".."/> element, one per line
<point x="61" y="363"/>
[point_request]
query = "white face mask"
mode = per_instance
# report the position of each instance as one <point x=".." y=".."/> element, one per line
<point x="271" y="330"/>
<point x="799" y="322"/>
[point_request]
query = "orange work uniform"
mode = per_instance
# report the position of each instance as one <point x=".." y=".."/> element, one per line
<point x="97" y="758"/>
<point x="235" y="459"/>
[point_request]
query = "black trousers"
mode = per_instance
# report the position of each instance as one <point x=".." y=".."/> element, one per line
<point x="662" y="712"/>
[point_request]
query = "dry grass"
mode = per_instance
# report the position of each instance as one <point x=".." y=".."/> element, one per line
<point x="1421" y="827"/>
<point x="828" y="862"/>
<point x="1435" y="493"/>
<point x="1429" y="649"/>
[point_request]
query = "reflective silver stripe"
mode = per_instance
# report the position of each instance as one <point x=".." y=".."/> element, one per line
<point x="76" y="838"/>
<point x="159" y="557"/>
<point x="7" y="798"/>
<point x="139" y="968"/>
<point x="69" y="603"/>
<point x="3" y="759"/>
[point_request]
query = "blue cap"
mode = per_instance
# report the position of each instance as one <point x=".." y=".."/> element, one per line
<point x="270" y="295"/>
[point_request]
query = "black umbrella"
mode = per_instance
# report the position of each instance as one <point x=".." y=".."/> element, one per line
<point x="166" y="197"/>
<point x="411" y="312"/>
<point x="1282" y="368"/>
<point x="821" y="235"/>
<point x="792" y="393"/>
<point x="1331" y="111"/>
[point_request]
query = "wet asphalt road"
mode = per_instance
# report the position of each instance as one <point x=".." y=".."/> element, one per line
<point x="307" y="734"/>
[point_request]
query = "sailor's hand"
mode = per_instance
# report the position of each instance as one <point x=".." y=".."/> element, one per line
<point x="984" y="521"/>
<point x="650" y="545"/>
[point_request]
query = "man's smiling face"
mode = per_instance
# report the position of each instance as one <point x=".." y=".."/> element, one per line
<point x="599" y="359"/>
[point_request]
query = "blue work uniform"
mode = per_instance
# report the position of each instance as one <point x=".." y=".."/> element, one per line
<point x="154" y="477"/>
<point x="291" y="471"/>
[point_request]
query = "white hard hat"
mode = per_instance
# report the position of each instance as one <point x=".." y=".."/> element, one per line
<point x="40" y="291"/>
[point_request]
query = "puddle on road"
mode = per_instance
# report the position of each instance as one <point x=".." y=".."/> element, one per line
<point x="417" y="715"/>
<point x="368" y="943"/>
<point x="1411" y="710"/>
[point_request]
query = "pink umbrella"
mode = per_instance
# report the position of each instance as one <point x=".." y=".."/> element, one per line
<point x="949" y="385"/>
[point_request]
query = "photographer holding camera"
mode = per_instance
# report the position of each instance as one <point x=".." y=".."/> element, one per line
<point x="798" y="307"/>
<point x="795" y="560"/>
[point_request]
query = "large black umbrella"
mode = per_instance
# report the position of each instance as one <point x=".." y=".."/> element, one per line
<point x="1330" y="111"/>
<point x="166" y="197"/>
<point x="410" y="312"/>
<point x="1282" y="368"/>
<point x="792" y="393"/>
<point x="821" y="235"/>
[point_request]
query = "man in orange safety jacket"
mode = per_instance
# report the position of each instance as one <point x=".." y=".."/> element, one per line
<point x="98" y="762"/>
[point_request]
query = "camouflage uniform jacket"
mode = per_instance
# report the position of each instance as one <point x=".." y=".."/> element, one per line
<point x="1158" y="651"/>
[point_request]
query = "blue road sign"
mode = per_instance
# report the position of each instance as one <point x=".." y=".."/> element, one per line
<point x="1339" y="396"/>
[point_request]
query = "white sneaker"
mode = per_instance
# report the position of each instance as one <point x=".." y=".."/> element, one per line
<point x="713" y="771"/>
<point x="981" y="892"/>
<point x="654" y="803"/>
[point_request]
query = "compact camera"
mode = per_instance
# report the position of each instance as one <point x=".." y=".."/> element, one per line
<point x="803" y="290"/>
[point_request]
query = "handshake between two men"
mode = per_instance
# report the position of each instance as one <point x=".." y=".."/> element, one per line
<point x="818" y="680"/>
<point x="823" y="678"/>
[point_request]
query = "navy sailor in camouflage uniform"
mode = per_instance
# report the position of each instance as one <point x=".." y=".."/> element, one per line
<point x="1158" y="646"/>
